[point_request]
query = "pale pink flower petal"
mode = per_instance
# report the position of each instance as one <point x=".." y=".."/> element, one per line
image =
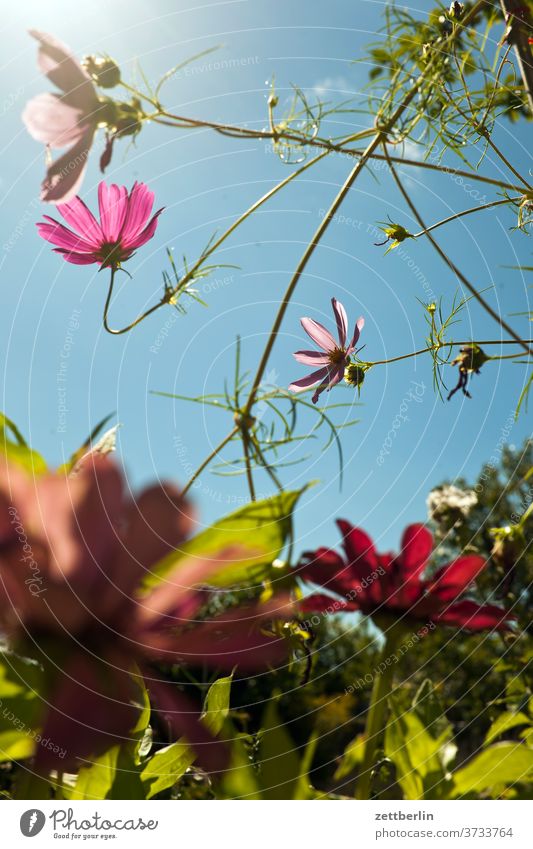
<point x="309" y="380"/>
<point x="60" y="120"/>
<point x="311" y="358"/>
<point x="65" y="175"/>
<point x="335" y="356"/>
<point x="318" y="334"/>
<point x="357" y="332"/>
<point x="62" y="68"/>
<point x="53" y="122"/>
<point x="342" y="321"/>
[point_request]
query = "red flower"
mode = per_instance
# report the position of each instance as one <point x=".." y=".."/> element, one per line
<point x="73" y="552"/>
<point x="392" y="584"/>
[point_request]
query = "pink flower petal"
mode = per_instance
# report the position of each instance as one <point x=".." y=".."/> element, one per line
<point x="310" y="380"/>
<point x="357" y="332"/>
<point x="319" y="334"/>
<point x="61" y="236"/>
<point x="65" y="175"/>
<point x="140" y="205"/>
<point x="60" y="66"/>
<point x="113" y="205"/>
<point x="52" y="122"/>
<point x="75" y="258"/>
<point x="145" y="235"/>
<point x="311" y="358"/>
<point x="342" y="321"/>
<point x="80" y="217"/>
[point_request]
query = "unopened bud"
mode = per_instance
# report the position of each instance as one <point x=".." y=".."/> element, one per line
<point x="103" y="71"/>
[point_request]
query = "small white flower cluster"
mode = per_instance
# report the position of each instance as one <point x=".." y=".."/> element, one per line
<point x="450" y="500"/>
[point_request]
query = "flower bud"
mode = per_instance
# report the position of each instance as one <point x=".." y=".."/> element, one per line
<point x="103" y="71"/>
<point x="354" y="374"/>
<point x="470" y="358"/>
<point x="456" y="10"/>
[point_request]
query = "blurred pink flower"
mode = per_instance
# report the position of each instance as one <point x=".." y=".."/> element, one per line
<point x="125" y="225"/>
<point x="334" y="356"/>
<point x="63" y="120"/>
<point x="73" y="553"/>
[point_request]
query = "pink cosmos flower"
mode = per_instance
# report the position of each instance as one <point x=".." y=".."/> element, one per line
<point x="392" y="584"/>
<point x="63" y="120"/>
<point x="125" y="225"/>
<point x="73" y="553"/>
<point x="334" y="356"/>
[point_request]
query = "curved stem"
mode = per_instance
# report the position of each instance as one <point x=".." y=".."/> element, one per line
<point x="465" y="212"/>
<point x="451" y="265"/>
<point x="212" y="248"/>
<point x="208" y="459"/>
<point x="118" y="332"/>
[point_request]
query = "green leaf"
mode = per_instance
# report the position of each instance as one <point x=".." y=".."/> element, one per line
<point x="416" y="753"/>
<point x="503" y="763"/>
<point x="217" y="704"/>
<point x="505" y="722"/>
<point x="262" y="526"/>
<point x="86" y="445"/>
<point x="280" y="763"/>
<point x="240" y="781"/>
<point x="166" y="767"/>
<point x="113" y="775"/>
<point x="352" y="757"/>
<point x="117" y="773"/>
<point x="21" y="682"/>
<point x="17" y="450"/>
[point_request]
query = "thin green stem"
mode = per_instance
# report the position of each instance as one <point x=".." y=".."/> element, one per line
<point x="212" y="248"/>
<point x="119" y="331"/>
<point x="451" y="265"/>
<point x="208" y="459"/>
<point x="379" y="138"/>
<point x="465" y="212"/>
<point x="440" y="345"/>
<point x="248" y="464"/>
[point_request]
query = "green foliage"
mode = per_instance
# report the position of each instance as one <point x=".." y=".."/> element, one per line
<point x="256" y="533"/>
<point x="21" y="686"/>
<point x="17" y="450"/>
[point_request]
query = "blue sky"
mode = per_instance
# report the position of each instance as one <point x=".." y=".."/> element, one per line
<point x="204" y="181"/>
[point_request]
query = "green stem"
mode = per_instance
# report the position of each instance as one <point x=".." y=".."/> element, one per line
<point x="380" y="137"/>
<point x="451" y="265"/>
<point x="375" y="721"/>
<point x="465" y="212"/>
<point x="119" y="331"/>
<point x="212" y="248"/>
<point x="248" y="464"/>
<point x="208" y="459"/>
<point x="455" y="345"/>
